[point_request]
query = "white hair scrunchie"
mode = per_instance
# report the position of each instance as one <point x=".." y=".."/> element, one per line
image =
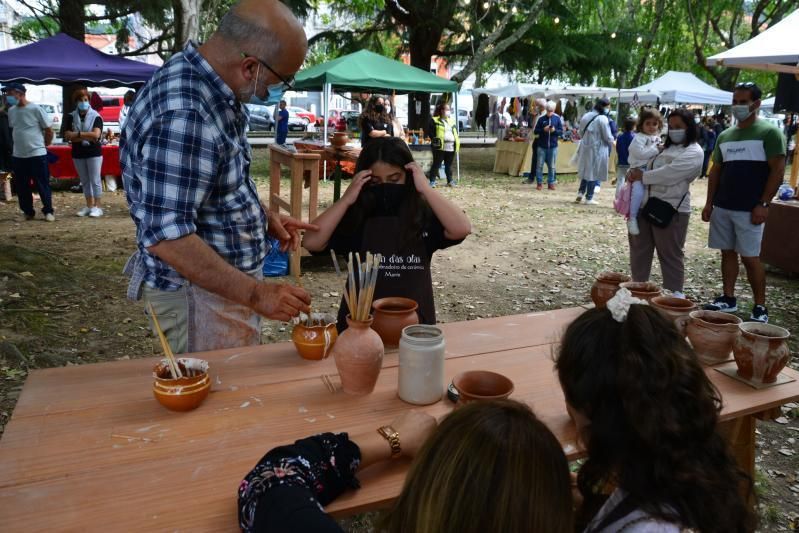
<point x="620" y="304"/>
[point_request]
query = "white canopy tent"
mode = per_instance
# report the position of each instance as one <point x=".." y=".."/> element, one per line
<point x="515" y="90"/>
<point x="679" y="88"/>
<point x="774" y="50"/>
<point x="520" y="90"/>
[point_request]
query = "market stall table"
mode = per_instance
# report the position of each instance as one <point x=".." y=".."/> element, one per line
<point x="515" y="158"/>
<point x="88" y="448"/>
<point x="780" y="246"/>
<point x="64" y="168"/>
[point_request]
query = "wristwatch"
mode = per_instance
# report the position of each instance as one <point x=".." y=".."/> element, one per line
<point x="764" y="204"/>
<point x="391" y="435"/>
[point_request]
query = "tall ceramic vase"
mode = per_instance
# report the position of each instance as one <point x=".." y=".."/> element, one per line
<point x="358" y="353"/>
<point x="761" y="351"/>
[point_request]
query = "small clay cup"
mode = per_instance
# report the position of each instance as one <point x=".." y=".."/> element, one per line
<point x="476" y="385"/>
<point x="392" y="315"/>
<point x="711" y="334"/>
<point x="645" y="290"/>
<point x="339" y="139"/>
<point x="606" y="286"/>
<point x="761" y="351"/>
<point x="182" y="394"/>
<point x="675" y="309"/>
<point x="310" y="341"/>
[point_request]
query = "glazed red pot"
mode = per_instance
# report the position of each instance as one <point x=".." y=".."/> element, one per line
<point x="761" y="351"/>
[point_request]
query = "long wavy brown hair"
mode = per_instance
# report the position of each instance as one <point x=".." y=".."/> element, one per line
<point x="490" y="466"/>
<point x="652" y="421"/>
<point x="369" y="112"/>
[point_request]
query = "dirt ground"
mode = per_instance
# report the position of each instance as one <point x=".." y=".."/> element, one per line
<point x="62" y="292"/>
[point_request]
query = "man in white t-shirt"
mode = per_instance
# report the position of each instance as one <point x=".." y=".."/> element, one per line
<point x="32" y="132"/>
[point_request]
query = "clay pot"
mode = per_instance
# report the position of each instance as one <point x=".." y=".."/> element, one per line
<point x="482" y="385"/>
<point x="339" y="139"/>
<point x="675" y="309"/>
<point x="605" y="287"/>
<point x="182" y="394"/>
<point x="391" y="315"/>
<point x="311" y="341"/>
<point x="711" y="334"/>
<point x="358" y="353"/>
<point x="645" y="290"/>
<point x="761" y="351"/>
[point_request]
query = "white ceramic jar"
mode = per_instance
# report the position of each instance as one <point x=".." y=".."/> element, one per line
<point x="421" y="364"/>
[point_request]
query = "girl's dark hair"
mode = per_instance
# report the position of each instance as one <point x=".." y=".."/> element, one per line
<point x="648" y="113"/>
<point x="370" y="114"/>
<point x="691" y="130"/>
<point x="653" y="416"/>
<point x="414" y="212"/>
<point x="439" y="108"/>
<point x="489" y="466"/>
<point x="629" y="124"/>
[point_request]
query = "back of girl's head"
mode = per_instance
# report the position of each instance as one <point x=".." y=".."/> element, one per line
<point x="490" y="466"/>
<point x="629" y="124"/>
<point x="652" y="415"/>
<point x="649" y="113"/>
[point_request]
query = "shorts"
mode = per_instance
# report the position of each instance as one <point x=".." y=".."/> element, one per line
<point x="733" y="230"/>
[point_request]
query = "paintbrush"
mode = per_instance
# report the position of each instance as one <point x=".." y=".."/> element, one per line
<point x="170" y="357"/>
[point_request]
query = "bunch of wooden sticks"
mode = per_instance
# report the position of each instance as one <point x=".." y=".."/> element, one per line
<point x="362" y="278"/>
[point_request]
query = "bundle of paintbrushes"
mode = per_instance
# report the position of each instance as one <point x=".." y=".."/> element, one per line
<point x="362" y="278"/>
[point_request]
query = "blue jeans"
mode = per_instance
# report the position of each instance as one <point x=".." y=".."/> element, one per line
<point x="27" y="169"/>
<point x="281" y="136"/>
<point x="548" y="156"/>
<point x="587" y="188"/>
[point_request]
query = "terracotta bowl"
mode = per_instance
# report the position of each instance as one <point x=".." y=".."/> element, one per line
<point x="392" y="315"/>
<point x="311" y="342"/>
<point x="675" y="309"/>
<point x="182" y="394"/>
<point x="645" y="290"/>
<point x="605" y="287"/>
<point x="482" y="385"/>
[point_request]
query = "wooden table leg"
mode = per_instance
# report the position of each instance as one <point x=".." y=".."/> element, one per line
<point x="740" y="436"/>
<point x="274" y="185"/>
<point x="313" y="192"/>
<point x="296" y="208"/>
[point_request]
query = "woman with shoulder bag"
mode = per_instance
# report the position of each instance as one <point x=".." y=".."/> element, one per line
<point x="663" y="220"/>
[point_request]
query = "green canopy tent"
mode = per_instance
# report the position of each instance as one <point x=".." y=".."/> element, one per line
<point x="367" y="70"/>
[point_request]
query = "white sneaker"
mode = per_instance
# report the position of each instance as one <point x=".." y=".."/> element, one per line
<point x="578" y="199"/>
<point x="85" y="211"/>
<point x="591" y="202"/>
<point x="95" y="212"/>
<point x="632" y="227"/>
<point x="49" y="217"/>
<point x="596" y="190"/>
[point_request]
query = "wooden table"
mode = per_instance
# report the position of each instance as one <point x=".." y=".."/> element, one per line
<point x="88" y="448"/>
<point x="780" y="247"/>
<point x="64" y="168"/>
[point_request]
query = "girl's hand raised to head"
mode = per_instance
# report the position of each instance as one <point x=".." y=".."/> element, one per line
<point x="419" y="178"/>
<point x="358" y="181"/>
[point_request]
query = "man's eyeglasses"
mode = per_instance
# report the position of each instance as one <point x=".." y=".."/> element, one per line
<point x="288" y="84"/>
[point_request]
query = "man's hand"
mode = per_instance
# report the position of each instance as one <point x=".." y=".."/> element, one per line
<point x="278" y="301"/>
<point x="706" y="212"/>
<point x="759" y="214"/>
<point x="286" y="229"/>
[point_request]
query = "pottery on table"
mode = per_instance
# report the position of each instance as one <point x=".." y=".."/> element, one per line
<point x="182" y="394"/>
<point x="475" y="385"/>
<point x="711" y="334"/>
<point x="391" y="316"/>
<point x="358" y="353"/>
<point x="606" y="286"/>
<point x="339" y="139"/>
<point x="314" y="342"/>
<point x="676" y="309"/>
<point x="761" y="351"/>
<point x="645" y="290"/>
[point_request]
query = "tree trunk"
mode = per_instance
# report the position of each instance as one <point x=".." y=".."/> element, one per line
<point x="422" y="43"/>
<point x="177" y="14"/>
<point x="190" y="27"/>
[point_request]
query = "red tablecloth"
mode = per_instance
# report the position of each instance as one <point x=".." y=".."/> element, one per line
<point x="64" y="169"/>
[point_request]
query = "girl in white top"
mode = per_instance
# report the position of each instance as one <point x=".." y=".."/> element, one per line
<point x="645" y="147"/>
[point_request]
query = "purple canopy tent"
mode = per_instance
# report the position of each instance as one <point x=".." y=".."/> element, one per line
<point x="63" y="60"/>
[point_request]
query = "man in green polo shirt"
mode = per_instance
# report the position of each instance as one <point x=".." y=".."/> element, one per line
<point x="748" y="168"/>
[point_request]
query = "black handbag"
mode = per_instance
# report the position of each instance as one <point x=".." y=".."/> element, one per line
<point x="659" y="212"/>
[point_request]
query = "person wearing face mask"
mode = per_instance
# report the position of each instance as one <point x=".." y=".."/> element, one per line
<point x="391" y="209"/>
<point x="83" y="128"/>
<point x="668" y="178"/>
<point x="593" y="154"/>
<point x="748" y="168"/>
<point x="282" y="124"/>
<point x="374" y="121"/>
<point x="200" y="226"/>
<point x="549" y="130"/>
<point x="443" y="131"/>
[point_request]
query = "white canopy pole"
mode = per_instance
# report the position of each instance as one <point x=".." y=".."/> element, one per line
<point x="458" y="129"/>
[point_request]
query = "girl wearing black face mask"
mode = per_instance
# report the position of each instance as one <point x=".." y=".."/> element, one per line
<point x="375" y="122"/>
<point x="391" y="209"/>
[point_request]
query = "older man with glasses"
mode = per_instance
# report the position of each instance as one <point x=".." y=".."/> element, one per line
<point x="201" y="229"/>
<point x="748" y="168"/>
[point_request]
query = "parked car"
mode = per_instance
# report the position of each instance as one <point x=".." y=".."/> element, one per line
<point x="302" y="113"/>
<point x="337" y="118"/>
<point x="297" y="122"/>
<point x="464" y="119"/>
<point x="53" y="114"/>
<point x="112" y="105"/>
<point x="260" y="118"/>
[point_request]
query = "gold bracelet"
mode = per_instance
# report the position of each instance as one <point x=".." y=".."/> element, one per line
<point x="391" y="435"/>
